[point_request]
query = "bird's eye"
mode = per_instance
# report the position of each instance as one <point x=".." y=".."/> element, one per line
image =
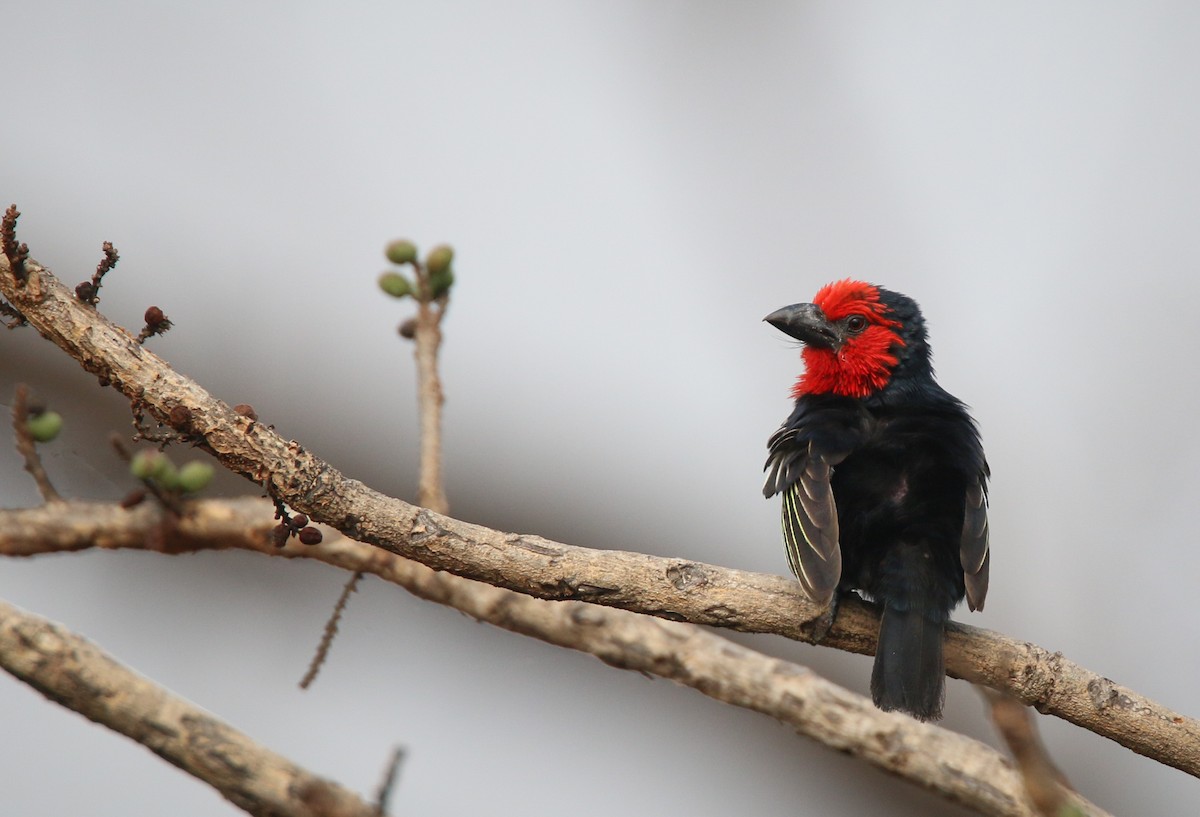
<point x="856" y="323"/>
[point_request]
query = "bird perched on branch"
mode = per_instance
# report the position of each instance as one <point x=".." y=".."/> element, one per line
<point x="884" y="483"/>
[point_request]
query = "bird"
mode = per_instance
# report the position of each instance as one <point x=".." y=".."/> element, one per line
<point x="884" y="483"/>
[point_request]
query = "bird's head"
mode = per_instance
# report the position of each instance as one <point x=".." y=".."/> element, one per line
<point x="857" y="338"/>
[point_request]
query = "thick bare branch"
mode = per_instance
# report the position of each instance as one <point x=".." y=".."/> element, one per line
<point x="961" y="769"/>
<point x="670" y="588"/>
<point x="71" y="671"/>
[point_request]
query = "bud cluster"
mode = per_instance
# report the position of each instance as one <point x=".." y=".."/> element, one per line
<point x="430" y="282"/>
<point x="156" y="468"/>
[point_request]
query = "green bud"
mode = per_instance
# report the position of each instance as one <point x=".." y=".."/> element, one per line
<point x="44" y="427"/>
<point x="401" y="252"/>
<point x="195" y="476"/>
<point x="165" y="472"/>
<point x="142" y="464"/>
<point x="395" y="284"/>
<point x="439" y="259"/>
<point x="154" y="465"/>
<point x="440" y="282"/>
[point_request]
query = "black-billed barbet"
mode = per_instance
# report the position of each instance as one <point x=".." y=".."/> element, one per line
<point x="884" y="483"/>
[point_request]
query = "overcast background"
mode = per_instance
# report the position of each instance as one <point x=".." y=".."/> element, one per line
<point x="630" y="187"/>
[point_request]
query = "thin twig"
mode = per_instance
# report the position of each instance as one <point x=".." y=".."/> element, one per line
<point x="331" y="628"/>
<point x="89" y="291"/>
<point x="27" y="447"/>
<point x="14" y="252"/>
<point x="390" y="775"/>
<point x="431" y="491"/>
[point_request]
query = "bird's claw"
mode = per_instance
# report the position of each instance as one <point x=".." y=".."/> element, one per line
<point x="820" y="626"/>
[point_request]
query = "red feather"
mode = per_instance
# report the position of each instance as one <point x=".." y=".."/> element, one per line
<point x="864" y="363"/>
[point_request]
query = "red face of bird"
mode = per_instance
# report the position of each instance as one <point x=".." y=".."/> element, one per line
<point x="849" y="339"/>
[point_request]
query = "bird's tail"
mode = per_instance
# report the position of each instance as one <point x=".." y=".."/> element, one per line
<point x="909" y="674"/>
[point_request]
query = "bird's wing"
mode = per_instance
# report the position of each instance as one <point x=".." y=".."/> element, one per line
<point x="810" y="530"/>
<point x="810" y="521"/>
<point x="974" y="552"/>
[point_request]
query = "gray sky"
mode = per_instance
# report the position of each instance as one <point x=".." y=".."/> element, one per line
<point x="630" y="187"/>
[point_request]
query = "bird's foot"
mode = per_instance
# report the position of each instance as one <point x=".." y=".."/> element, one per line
<point x="819" y="627"/>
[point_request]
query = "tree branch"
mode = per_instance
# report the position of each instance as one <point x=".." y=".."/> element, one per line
<point x="1044" y="783"/>
<point x="431" y="492"/>
<point x="669" y="588"/>
<point x="73" y="672"/>
<point x="956" y="767"/>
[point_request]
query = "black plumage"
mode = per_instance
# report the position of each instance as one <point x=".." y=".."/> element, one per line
<point x="884" y="483"/>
